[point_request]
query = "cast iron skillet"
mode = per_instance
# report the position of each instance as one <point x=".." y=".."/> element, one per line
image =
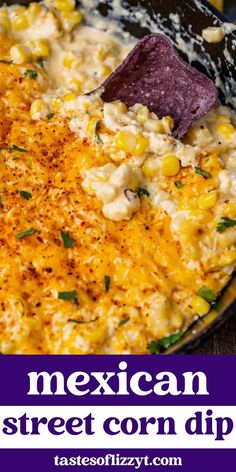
<point x="187" y="18"/>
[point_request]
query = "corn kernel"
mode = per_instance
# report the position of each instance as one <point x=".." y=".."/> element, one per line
<point x="20" y="9"/>
<point x="36" y="106"/>
<point x="200" y="306"/>
<point x="68" y="61"/>
<point x="33" y="11"/>
<point x="20" y="22"/>
<point x="91" y="127"/>
<point x="38" y="109"/>
<point x="56" y="105"/>
<point x="225" y="130"/>
<point x="223" y="119"/>
<point x="121" y="107"/>
<point x="213" y="34"/>
<point x="40" y="48"/>
<point x="151" y="167"/>
<point x="75" y="85"/>
<point x="102" y="54"/>
<point x="187" y="203"/>
<point x="125" y="141"/>
<point x="228" y="258"/>
<point x="229" y="209"/>
<point x="141" y="145"/>
<point x="188" y="228"/>
<point x="20" y="54"/>
<point x="3" y="12"/>
<point x="168" y="124"/>
<point x="155" y="126"/>
<point x="218" y="4"/>
<point x="73" y="17"/>
<point x="208" y="200"/>
<point x="202" y="216"/>
<point x="134" y="183"/>
<point x="106" y="70"/>
<point x="170" y="166"/>
<point x="143" y="114"/>
<point x="68" y="97"/>
<point x="65" y="5"/>
<point x="5" y="24"/>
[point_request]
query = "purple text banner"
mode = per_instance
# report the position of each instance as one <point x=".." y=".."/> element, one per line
<point x="137" y="380"/>
<point x="144" y="460"/>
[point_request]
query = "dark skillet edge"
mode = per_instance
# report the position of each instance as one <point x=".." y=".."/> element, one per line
<point x="216" y="12"/>
<point x="188" y="345"/>
<point x="192" y="340"/>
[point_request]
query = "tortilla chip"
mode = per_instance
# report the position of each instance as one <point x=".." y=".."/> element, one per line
<point x="154" y="75"/>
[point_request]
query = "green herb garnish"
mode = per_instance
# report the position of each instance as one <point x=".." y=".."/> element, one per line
<point x="156" y="347"/>
<point x="179" y="184"/>
<point x="207" y="294"/>
<point x="4" y="61"/>
<point x="67" y="295"/>
<point x="41" y="62"/>
<point x="50" y="115"/>
<point x="17" y="148"/>
<point x="25" y="195"/>
<point x="72" y="320"/>
<point x="28" y="232"/>
<point x="143" y="191"/>
<point x="123" y="322"/>
<point x="225" y="223"/>
<point x="96" y="133"/>
<point x="32" y="74"/>
<point x="107" y="281"/>
<point x="203" y="173"/>
<point x="67" y="240"/>
<point x="13" y="148"/>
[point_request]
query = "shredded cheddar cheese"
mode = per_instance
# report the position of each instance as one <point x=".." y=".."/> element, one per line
<point x="113" y="233"/>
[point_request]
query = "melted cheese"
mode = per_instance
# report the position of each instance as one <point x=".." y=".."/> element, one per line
<point x="155" y="260"/>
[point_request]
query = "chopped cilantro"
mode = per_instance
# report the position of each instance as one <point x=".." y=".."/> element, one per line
<point x="13" y="148"/>
<point x="17" y="148"/>
<point x="156" y="347"/>
<point x="4" y="61"/>
<point x="107" y="281"/>
<point x="50" y="115"/>
<point x="123" y="322"/>
<point x="67" y="240"/>
<point x="203" y="173"/>
<point x="25" y="195"/>
<point x="143" y="191"/>
<point x="72" y="320"/>
<point x="67" y="295"/>
<point x="28" y="232"/>
<point x="96" y="133"/>
<point x="179" y="184"/>
<point x="32" y="74"/>
<point x="225" y="223"/>
<point x="41" y="62"/>
<point x="207" y="294"/>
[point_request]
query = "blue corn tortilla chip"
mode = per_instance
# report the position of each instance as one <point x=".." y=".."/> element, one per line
<point x="154" y="75"/>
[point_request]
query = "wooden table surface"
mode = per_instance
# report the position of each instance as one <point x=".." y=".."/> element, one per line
<point x="222" y="341"/>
